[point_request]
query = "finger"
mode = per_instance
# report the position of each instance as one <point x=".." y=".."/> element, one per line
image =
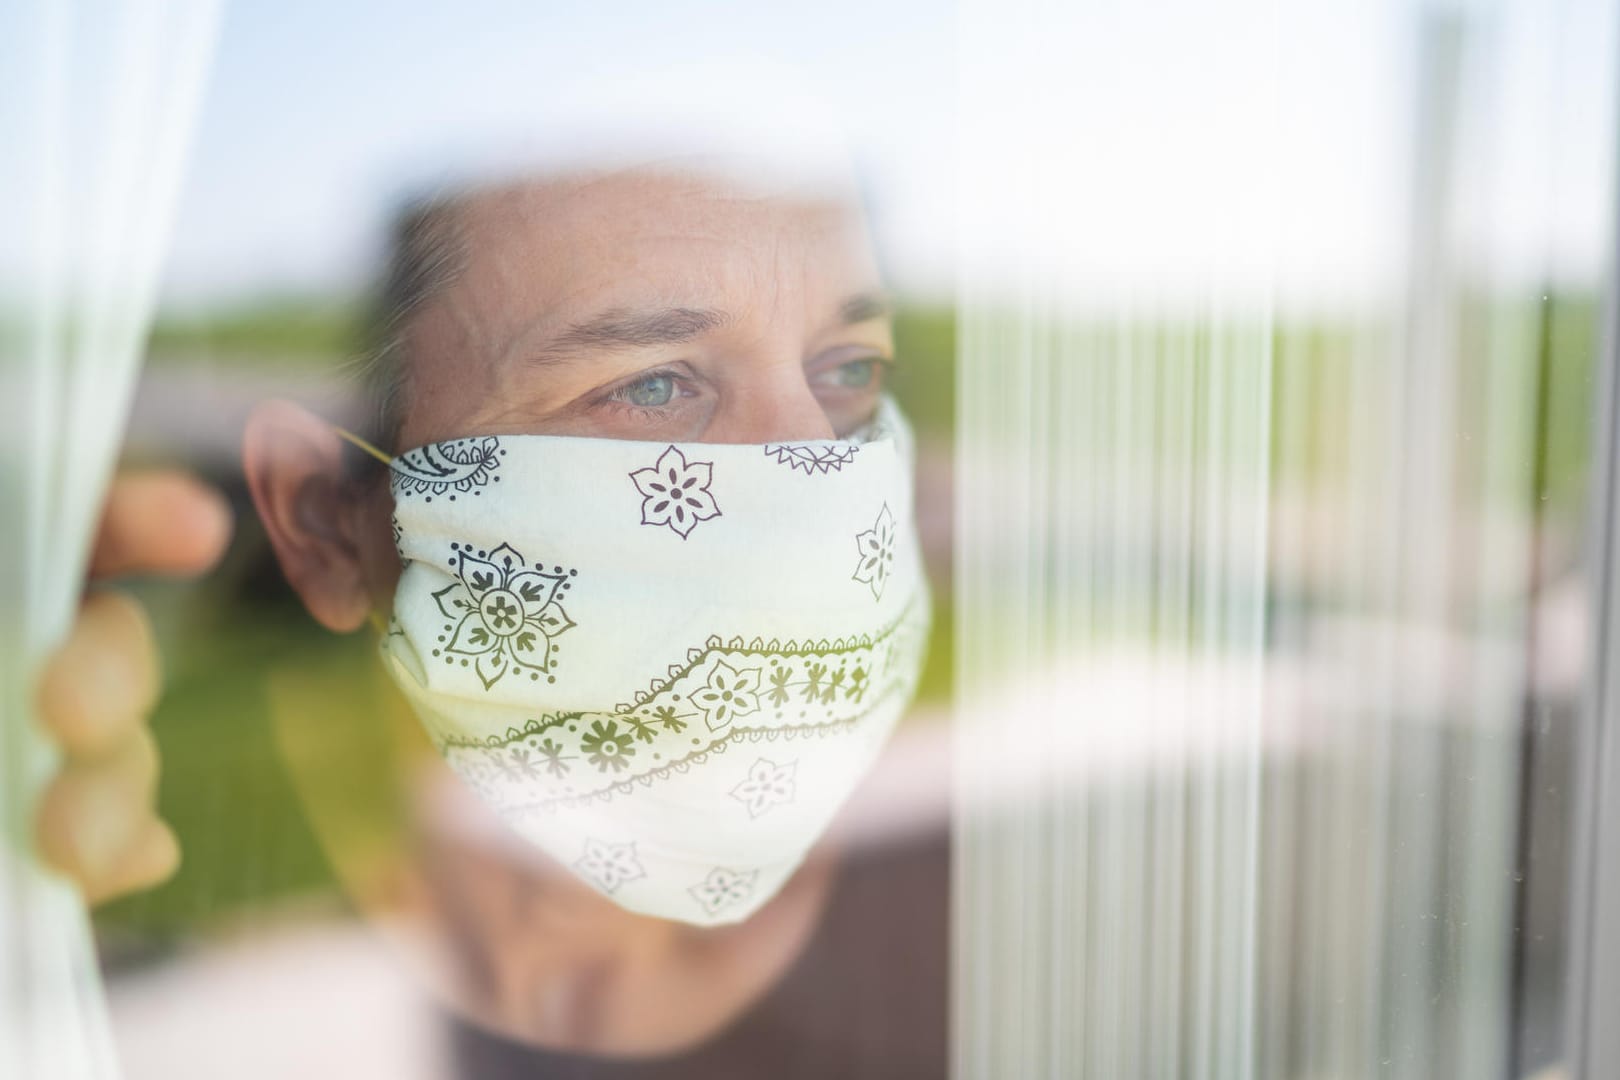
<point x="160" y="522"/>
<point x="94" y="818"/>
<point x="97" y="688"/>
<point x="152" y="858"/>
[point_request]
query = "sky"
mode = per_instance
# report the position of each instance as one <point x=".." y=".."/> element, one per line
<point x="1139" y="142"/>
<point x="1291" y="151"/>
<point x="321" y="116"/>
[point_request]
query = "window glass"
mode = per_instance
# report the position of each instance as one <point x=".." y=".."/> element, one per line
<point x="908" y="540"/>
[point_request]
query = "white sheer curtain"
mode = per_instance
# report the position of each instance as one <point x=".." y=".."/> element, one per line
<point x="1274" y="318"/>
<point x="97" y="103"/>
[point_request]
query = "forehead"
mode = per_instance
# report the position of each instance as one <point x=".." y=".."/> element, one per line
<point x="539" y="255"/>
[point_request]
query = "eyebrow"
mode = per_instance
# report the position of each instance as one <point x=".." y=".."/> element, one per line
<point x="621" y="328"/>
<point x="863" y="307"/>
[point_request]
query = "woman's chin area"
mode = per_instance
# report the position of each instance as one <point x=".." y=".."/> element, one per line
<point x="518" y="948"/>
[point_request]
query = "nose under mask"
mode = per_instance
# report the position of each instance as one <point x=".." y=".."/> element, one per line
<point x="666" y="665"/>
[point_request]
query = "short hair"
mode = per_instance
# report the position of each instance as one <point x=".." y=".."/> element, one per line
<point x="425" y="254"/>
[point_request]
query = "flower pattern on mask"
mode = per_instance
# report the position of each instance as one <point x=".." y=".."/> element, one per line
<point x="675" y="492"/>
<point x="460" y="465"/>
<point x="728" y="694"/>
<point x="556" y="761"/>
<point x="876" y="547"/>
<point x="505" y="616"/>
<point x="665" y="717"/>
<point x="610" y="865"/>
<point x="768" y="784"/>
<point x="795" y="690"/>
<point x="813" y="457"/>
<point x="723" y="888"/>
<point x="606" y="747"/>
<point x="516" y="764"/>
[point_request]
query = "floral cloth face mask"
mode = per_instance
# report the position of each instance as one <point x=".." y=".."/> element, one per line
<point x="665" y="665"/>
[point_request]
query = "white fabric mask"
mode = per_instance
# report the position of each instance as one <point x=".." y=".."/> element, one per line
<point x="665" y="665"/>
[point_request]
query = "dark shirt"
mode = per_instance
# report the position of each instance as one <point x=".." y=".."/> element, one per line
<point x="867" y="998"/>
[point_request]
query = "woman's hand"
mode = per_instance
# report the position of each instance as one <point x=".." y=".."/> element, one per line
<point x="97" y="822"/>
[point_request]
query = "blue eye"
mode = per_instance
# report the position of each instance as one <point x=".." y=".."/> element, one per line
<point x="856" y="373"/>
<point x="650" y="392"/>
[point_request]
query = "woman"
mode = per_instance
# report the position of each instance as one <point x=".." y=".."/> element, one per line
<point x="678" y="309"/>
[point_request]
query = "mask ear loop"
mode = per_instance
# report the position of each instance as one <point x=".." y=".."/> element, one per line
<point x="361" y="444"/>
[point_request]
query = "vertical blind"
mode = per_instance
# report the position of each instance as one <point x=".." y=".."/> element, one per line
<point x="1278" y="322"/>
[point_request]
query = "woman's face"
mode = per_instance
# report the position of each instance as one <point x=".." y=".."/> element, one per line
<point x="630" y="306"/>
<point x="637" y="306"/>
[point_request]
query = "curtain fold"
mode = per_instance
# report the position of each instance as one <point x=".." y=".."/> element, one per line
<point x="97" y="104"/>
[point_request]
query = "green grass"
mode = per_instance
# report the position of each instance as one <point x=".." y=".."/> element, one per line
<point x="243" y="835"/>
<point x="291" y="330"/>
<point x="925" y="369"/>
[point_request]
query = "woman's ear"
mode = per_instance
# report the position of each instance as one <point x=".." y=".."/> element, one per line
<point x="293" y="461"/>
